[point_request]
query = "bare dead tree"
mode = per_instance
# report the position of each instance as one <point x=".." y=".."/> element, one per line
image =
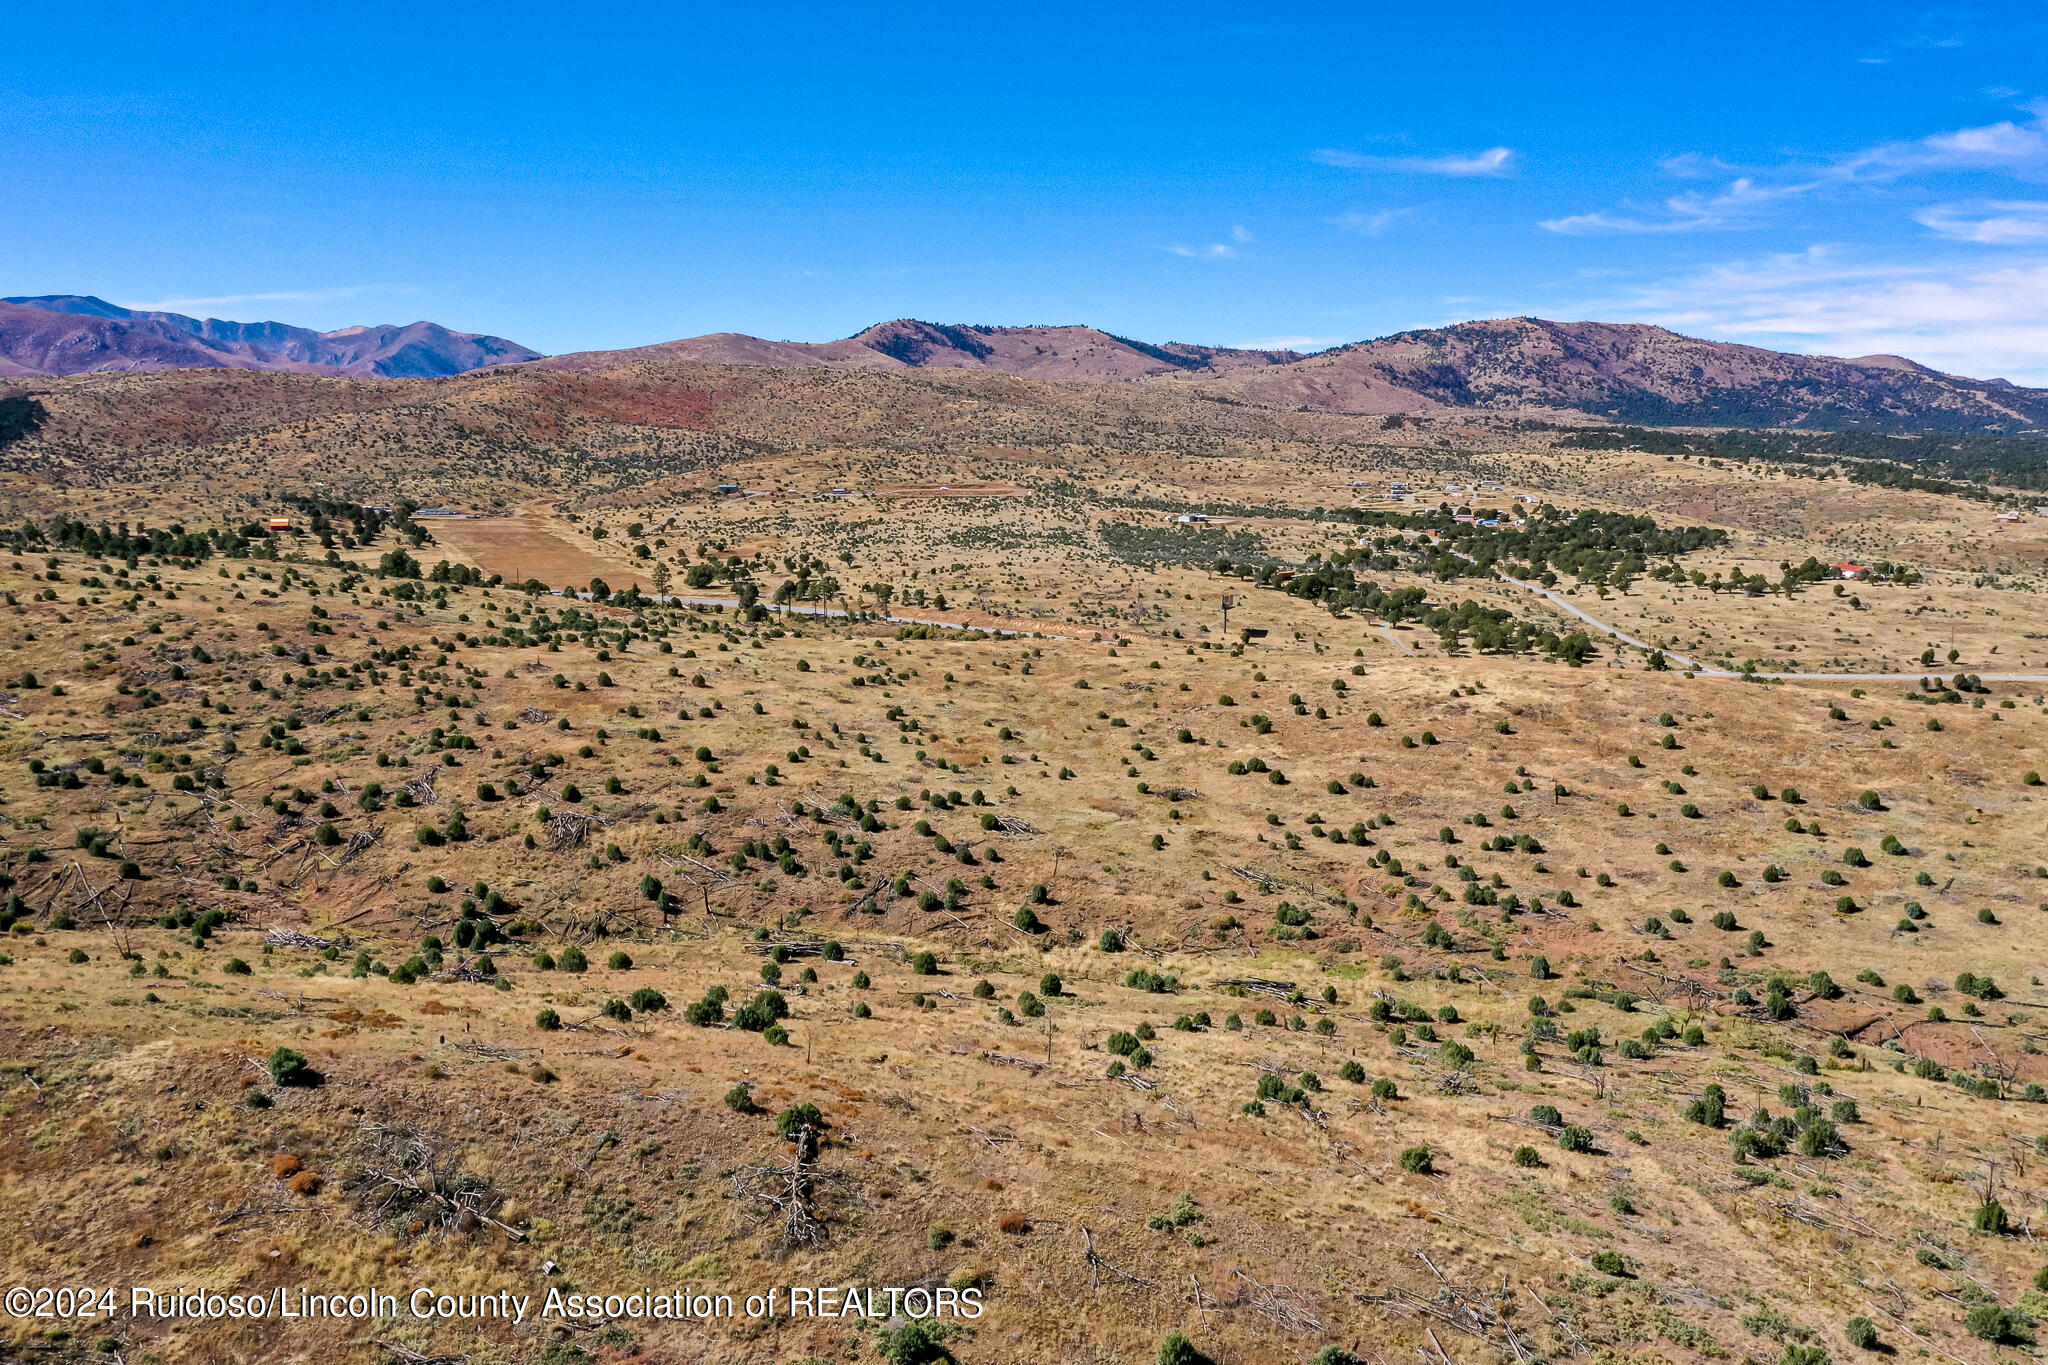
<point x="1280" y="990"/>
<point x="421" y="788"/>
<point x="409" y="1177"/>
<point x="2003" y="1072"/>
<point x="790" y="1192"/>
<point x="570" y="829"/>
<point x="1097" y="1263"/>
<point x="292" y="938"/>
<point x="1282" y="1305"/>
<point x="116" y="913"/>
<point x="357" y="843"/>
<point x="407" y="1356"/>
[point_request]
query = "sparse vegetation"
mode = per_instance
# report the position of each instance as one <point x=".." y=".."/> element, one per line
<point x="1223" y="932"/>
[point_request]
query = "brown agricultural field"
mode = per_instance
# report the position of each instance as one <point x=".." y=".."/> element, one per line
<point x="521" y="547"/>
<point x="1316" y="986"/>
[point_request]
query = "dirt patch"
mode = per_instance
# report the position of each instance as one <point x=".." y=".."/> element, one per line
<point x="950" y="490"/>
<point x="355" y="1018"/>
<point x="526" y="547"/>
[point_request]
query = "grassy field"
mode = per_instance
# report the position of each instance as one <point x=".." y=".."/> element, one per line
<point x="523" y="547"/>
<point x="1277" y="985"/>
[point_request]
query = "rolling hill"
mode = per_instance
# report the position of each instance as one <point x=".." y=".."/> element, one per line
<point x="1633" y="372"/>
<point x="1031" y="352"/>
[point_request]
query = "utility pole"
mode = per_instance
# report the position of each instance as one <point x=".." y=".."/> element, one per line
<point x="1228" y="602"/>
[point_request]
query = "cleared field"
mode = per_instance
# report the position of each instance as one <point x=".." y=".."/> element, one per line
<point x="525" y="547"/>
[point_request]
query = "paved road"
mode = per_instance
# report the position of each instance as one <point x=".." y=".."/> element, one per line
<point x="1709" y="671"/>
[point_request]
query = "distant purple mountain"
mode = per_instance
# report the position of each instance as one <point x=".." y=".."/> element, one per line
<point x="73" y="333"/>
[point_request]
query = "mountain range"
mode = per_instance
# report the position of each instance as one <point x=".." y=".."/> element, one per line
<point x="74" y="333"/>
<point x="1629" y="372"/>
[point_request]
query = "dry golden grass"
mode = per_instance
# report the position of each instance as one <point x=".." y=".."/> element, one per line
<point x="520" y="548"/>
<point x="131" y="1154"/>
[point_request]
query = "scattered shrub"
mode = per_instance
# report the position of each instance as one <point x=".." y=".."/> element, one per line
<point x="798" y="1116"/>
<point x="1174" y="1350"/>
<point x="288" y="1067"/>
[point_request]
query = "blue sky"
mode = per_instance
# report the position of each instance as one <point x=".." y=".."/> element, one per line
<point x="1839" y="178"/>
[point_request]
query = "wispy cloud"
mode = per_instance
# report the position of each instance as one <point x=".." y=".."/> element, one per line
<point x="1374" y="224"/>
<point x="1734" y="207"/>
<point x="2014" y="148"/>
<point x="1978" y="319"/>
<point x="1291" y="343"/>
<point x="2011" y="148"/>
<point x="1213" y="251"/>
<point x="1994" y="222"/>
<point x="185" y="304"/>
<point x="1494" y="162"/>
<point x="1694" y="166"/>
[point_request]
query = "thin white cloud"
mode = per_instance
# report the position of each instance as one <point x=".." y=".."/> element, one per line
<point x="336" y="295"/>
<point x="2015" y="149"/>
<point x="1734" y="207"/>
<point x="1694" y="166"/>
<point x="1982" y="320"/>
<point x="1494" y="162"/>
<point x="1214" y="251"/>
<point x="1597" y="224"/>
<point x="1291" y="343"/>
<point x="1373" y="224"/>
<point x="1995" y="222"/>
<point x="1240" y="236"/>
